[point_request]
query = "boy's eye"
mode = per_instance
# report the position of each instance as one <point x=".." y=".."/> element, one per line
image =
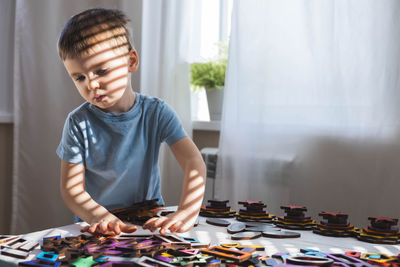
<point x="101" y="72"/>
<point x="80" y="78"/>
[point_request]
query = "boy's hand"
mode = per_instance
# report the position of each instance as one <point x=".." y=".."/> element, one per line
<point x="180" y="221"/>
<point x="108" y="223"/>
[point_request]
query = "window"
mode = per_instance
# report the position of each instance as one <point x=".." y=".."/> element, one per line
<point x="214" y="28"/>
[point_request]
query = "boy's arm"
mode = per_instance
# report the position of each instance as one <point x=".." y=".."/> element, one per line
<point x="81" y="203"/>
<point x="191" y="161"/>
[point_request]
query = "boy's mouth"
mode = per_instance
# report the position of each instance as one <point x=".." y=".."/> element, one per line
<point x="99" y="98"/>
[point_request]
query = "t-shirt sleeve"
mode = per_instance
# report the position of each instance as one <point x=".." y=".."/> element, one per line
<point x="171" y="129"/>
<point x="71" y="147"/>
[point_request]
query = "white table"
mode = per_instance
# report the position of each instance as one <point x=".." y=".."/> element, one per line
<point x="216" y="235"/>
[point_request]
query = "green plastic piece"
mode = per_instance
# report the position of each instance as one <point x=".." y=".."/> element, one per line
<point x="84" y="262"/>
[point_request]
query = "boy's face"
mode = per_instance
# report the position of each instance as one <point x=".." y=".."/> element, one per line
<point x="102" y="77"/>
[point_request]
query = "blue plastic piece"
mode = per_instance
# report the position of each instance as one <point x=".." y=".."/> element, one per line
<point x="190" y="239"/>
<point x="47" y="256"/>
<point x="56" y="237"/>
<point x="374" y="256"/>
<point x="305" y="250"/>
<point x="281" y="255"/>
<point x="40" y="263"/>
<point x="315" y="253"/>
<point x="271" y="262"/>
<point x="102" y="259"/>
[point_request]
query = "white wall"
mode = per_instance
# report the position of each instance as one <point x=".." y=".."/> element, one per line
<point x="7" y="11"/>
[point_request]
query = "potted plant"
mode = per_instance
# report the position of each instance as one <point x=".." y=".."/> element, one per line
<point x="210" y="75"/>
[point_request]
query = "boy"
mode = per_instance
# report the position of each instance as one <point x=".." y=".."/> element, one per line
<point x="110" y="144"/>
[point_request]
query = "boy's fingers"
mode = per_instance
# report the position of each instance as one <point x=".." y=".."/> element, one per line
<point x="167" y="225"/>
<point x="152" y="225"/>
<point x="93" y="228"/>
<point x="85" y="229"/>
<point x="128" y="228"/>
<point x="176" y="226"/>
<point x="159" y="222"/>
<point x="184" y="228"/>
<point x="116" y="229"/>
<point x="111" y="227"/>
<point x="149" y="222"/>
<point x="103" y="227"/>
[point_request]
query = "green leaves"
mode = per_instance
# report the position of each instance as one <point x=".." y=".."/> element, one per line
<point x="209" y="74"/>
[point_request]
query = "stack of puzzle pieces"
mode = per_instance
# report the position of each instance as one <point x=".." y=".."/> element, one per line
<point x="311" y="257"/>
<point x="16" y="247"/>
<point x="382" y="230"/>
<point x="217" y="209"/>
<point x="171" y="250"/>
<point x="335" y="224"/>
<point x="295" y="218"/>
<point x="138" y="213"/>
<point x="110" y="250"/>
<point x="254" y="211"/>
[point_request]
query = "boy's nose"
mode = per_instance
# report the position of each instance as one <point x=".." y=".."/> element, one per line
<point x="93" y="84"/>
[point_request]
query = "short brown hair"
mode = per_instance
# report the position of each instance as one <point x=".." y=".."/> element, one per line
<point x="91" y="27"/>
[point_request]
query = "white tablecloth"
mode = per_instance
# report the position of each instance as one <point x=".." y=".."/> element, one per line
<point x="216" y="235"/>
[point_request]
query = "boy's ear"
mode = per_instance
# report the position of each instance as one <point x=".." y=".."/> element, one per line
<point x="133" y="61"/>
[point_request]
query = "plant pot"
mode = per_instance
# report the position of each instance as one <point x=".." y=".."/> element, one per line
<point x="215" y="99"/>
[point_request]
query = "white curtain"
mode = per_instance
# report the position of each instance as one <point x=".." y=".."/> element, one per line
<point x="311" y="108"/>
<point x="44" y="95"/>
<point x="167" y="32"/>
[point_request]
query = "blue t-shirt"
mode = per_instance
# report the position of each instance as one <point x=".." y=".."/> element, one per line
<point x="120" y="151"/>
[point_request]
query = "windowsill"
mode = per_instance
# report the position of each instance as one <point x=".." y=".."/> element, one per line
<point x="6" y="118"/>
<point x="206" y="125"/>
